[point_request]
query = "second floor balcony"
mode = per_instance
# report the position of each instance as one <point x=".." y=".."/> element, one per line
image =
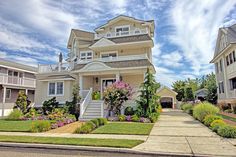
<point x="17" y="81"/>
<point x="69" y="66"/>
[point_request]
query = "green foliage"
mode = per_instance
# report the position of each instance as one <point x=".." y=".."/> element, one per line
<point x="188" y="108"/>
<point x="211" y="88"/>
<point x="96" y="122"/>
<point x="216" y="124"/>
<point x="154" y="117"/>
<point x="135" y="118"/>
<point x="201" y="110"/>
<point x="22" y="102"/>
<point x="148" y="100"/>
<point x="96" y="95"/>
<point x="32" y="113"/>
<point x="56" y="114"/>
<point x="50" y="105"/>
<point x="15" y="115"/>
<point x="121" y="117"/>
<point x="210" y="118"/>
<point x="40" y="126"/>
<point x="129" y="111"/>
<point x="189" y="94"/>
<point x="178" y="87"/>
<point x="227" y="131"/>
<point x="86" y="128"/>
<point x="102" y="121"/>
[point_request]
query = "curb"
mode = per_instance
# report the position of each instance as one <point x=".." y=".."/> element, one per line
<point x="89" y="148"/>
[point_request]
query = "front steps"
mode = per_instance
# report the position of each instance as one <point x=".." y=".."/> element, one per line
<point x="92" y="111"/>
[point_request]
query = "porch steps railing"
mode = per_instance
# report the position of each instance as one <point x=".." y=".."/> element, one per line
<point x="90" y="109"/>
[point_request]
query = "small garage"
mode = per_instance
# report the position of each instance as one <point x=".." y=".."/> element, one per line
<point x="167" y="97"/>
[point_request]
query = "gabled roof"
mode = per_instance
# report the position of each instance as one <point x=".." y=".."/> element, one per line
<point x="19" y="66"/>
<point x="165" y="87"/>
<point x="80" y="34"/>
<point x="122" y="17"/>
<point x="230" y="33"/>
<point x="103" y="42"/>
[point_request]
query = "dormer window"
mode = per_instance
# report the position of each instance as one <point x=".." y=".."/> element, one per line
<point x="86" y="55"/>
<point x="122" y="30"/>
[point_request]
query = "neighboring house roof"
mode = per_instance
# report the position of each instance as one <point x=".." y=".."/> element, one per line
<point x="121" y="64"/>
<point x="18" y="66"/>
<point x="57" y="77"/>
<point x="121" y="17"/>
<point x="201" y="92"/>
<point x="230" y="35"/>
<point x="167" y="88"/>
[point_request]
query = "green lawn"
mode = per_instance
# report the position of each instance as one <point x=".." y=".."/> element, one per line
<point x="119" y="143"/>
<point x="227" y="117"/>
<point x="125" y="128"/>
<point x="15" y="126"/>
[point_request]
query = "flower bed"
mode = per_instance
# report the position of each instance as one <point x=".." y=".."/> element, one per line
<point x="133" y="118"/>
<point x="207" y="114"/>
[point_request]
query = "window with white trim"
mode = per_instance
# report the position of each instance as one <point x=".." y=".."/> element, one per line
<point x="8" y="93"/>
<point x="122" y="30"/>
<point x="55" y="88"/>
<point x="74" y="51"/>
<point x="86" y="55"/>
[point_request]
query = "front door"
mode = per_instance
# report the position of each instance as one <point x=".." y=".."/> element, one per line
<point x="106" y="82"/>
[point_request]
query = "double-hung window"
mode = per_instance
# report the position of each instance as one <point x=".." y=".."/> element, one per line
<point x="221" y="87"/>
<point x="8" y="94"/>
<point x="55" y="88"/>
<point x="122" y="30"/>
<point x="232" y="83"/>
<point x="109" y="55"/>
<point x="86" y="55"/>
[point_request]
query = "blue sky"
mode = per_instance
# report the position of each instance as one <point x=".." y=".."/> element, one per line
<point x="35" y="31"/>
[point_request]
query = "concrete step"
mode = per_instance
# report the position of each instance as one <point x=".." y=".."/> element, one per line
<point x="91" y="116"/>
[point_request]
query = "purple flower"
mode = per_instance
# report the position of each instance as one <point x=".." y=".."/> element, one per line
<point x="128" y="118"/>
<point x="60" y="124"/>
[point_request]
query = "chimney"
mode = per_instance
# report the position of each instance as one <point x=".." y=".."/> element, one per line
<point x="60" y="62"/>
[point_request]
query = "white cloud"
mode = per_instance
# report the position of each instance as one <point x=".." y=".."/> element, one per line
<point x="172" y="59"/>
<point x="195" y="28"/>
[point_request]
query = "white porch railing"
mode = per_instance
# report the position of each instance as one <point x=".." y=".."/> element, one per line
<point x="114" y="59"/>
<point x="87" y="99"/>
<point x="121" y="33"/>
<point x="13" y="80"/>
<point x="55" y="67"/>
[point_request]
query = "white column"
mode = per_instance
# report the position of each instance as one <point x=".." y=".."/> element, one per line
<point x="81" y="84"/>
<point x="3" y="100"/>
<point x="26" y="91"/>
<point x="118" y="77"/>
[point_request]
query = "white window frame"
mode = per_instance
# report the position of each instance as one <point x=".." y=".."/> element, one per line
<point x="86" y="55"/>
<point x="9" y="94"/>
<point x="74" y="49"/>
<point x="123" y="26"/>
<point x="109" y="52"/>
<point x="56" y="88"/>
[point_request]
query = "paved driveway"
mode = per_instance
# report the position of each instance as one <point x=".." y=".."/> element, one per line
<point x="178" y="133"/>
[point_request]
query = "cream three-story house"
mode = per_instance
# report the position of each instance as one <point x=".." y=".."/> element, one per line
<point x="121" y="49"/>
<point x="225" y="65"/>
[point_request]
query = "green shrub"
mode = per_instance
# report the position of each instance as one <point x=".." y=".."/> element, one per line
<point x="15" y="115"/>
<point x="201" y="110"/>
<point x="129" y="111"/>
<point x="85" y="128"/>
<point x="40" y="126"/>
<point x="227" y="131"/>
<point x="50" y="105"/>
<point x="154" y="117"/>
<point x="216" y="124"/>
<point x="210" y="118"/>
<point x="122" y="117"/>
<point x="135" y="118"/>
<point x="95" y="122"/>
<point x="188" y="108"/>
<point x="102" y="121"/>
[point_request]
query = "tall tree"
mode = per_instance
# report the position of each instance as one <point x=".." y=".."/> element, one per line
<point x="148" y="100"/>
<point x="179" y="87"/>
<point x="212" y="88"/>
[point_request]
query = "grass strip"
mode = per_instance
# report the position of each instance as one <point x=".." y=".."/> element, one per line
<point x="118" y="143"/>
<point x="125" y="128"/>
<point x="228" y="117"/>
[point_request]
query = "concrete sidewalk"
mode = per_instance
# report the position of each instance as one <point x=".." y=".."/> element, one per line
<point x="178" y="132"/>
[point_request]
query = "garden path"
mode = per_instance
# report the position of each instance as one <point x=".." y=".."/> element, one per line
<point x="179" y="133"/>
<point x="69" y="128"/>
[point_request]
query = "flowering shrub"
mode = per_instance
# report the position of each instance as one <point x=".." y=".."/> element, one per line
<point x="129" y="118"/>
<point x="116" y="94"/>
<point x="56" y="114"/>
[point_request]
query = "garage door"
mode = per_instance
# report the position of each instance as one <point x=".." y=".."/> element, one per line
<point x="166" y="102"/>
